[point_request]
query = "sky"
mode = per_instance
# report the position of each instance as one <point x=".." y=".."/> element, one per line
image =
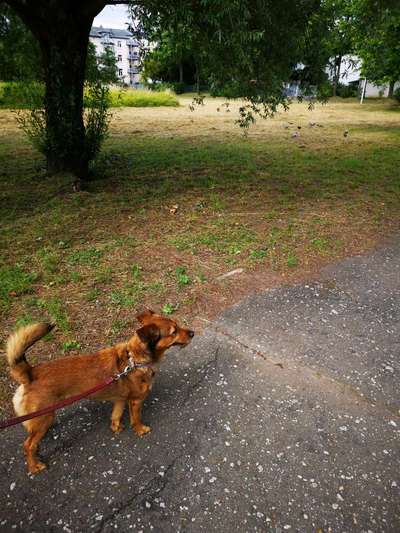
<point x="112" y="17"/>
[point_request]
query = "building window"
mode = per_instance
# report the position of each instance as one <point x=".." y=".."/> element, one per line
<point x="119" y="58"/>
<point x="120" y="72"/>
<point x="119" y="44"/>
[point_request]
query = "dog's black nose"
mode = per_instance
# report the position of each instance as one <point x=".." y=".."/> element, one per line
<point x="191" y="333"/>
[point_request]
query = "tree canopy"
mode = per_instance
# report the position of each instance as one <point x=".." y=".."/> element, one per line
<point x="20" y="54"/>
<point x="19" y="50"/>
<point x="376" y="38"/>
<point x="254" y="47"/>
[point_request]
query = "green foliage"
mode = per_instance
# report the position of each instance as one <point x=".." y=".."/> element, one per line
<point x="68" y="346"/>
<point x="96" y="118"/>
<point x="376" y="27"/>
<point x="136" y="98"/>
<point x="181" y="277"/>
<point x="252" y="47"/>
<point x="19" y="51"/>
<point x="292" y="260"/>
<point x="169" y="308"/>
<point x="337" y="40"/>
<point x="171" y="61"/>
<point x="347" y="91"/>
<point x="33" y="120"/>
<point x="21" y="95"/>
<point x="258" y="255"/>
<point x="20" y="54"/>
<point x="29" y="95"/>
<point x="101" y="68"/>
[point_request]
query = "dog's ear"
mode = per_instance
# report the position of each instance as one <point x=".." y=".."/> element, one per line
<point x="145" y="316"/>
<point x="148" y="334"/>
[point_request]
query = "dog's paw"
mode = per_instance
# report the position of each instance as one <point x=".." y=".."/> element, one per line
<point x="117" y="428"/>
<point x="37" y="467"/>
<point x="142" y="430"/>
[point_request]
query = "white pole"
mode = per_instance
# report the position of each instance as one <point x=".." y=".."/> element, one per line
<point x="363" y="91"/>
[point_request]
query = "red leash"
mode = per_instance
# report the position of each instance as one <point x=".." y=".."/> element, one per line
<point x="46" y="410"/>
<point x="55" y="406"/>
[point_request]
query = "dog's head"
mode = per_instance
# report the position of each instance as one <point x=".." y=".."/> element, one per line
<point x="158" y="333"/>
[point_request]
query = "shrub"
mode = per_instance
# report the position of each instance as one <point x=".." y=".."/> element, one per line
<point x="31" y="117"/>
<point x="179" y="87"/>
<point x="347" y="91"/>
<point x="18" y="95"/>
<point x="137" y="98"/>
<point x="96" y="117"/>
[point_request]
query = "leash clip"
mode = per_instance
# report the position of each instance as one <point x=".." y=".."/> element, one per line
<point x="129" y="367"/>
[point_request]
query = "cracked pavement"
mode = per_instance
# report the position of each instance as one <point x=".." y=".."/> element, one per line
<point x="282" y="416"/>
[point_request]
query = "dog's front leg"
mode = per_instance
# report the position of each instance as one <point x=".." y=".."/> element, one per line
<point x="135" y="412"/>
<point x="117" y="412"/>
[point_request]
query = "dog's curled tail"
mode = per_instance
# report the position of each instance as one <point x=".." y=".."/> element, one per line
<point x="18" y="343"/>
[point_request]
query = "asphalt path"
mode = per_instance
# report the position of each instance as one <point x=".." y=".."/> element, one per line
<point x="282" y="416"/>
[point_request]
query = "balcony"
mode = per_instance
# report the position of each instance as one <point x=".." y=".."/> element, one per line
<point x="133" y="70"/>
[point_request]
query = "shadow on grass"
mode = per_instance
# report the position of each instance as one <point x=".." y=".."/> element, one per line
<point x="136" y="172"/>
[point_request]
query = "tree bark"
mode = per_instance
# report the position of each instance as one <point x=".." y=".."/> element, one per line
<point x="336" y="75"/>
<point x="64" y="60"/>
<point x="180" y="72"/>
<point x="62" y="29"/>
<point x="391" y="89"/>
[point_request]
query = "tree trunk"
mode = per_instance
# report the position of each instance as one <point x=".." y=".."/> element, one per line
<point x="336" y="74"/>
<point x="180" y="72"/>
<point x="197" y="76"/>
<point x="391" y="89"/>
<point x="62" y="29"/>
<point x="64" y="60"/>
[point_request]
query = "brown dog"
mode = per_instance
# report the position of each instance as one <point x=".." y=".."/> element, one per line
<point x="51" y="382"/>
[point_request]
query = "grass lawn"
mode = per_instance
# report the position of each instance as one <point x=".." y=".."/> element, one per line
<point x="180" y="199"/>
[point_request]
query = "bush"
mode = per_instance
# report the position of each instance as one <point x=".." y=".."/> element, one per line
<point x="396" y="94"/>
<point x="32" y="118"/>
<point x="21" y="95"/>
<point x="228" y="91"/>
<point x="96" y="118"/>
<point x="347" y="91"/>
<point x="137" y="98"/>
<point x="179" y="87"/>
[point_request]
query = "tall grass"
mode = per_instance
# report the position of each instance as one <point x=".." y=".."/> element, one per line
<point x="18" y="95"/>
<point x="138" y="98"/>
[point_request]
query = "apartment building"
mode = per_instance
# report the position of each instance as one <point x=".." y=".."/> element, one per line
<point x="125" y="48"/>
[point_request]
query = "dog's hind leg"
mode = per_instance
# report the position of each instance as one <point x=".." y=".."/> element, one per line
<point x="117" y="412"/>
<point x="135" y="412"/>
<point x="37" y="429"/>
